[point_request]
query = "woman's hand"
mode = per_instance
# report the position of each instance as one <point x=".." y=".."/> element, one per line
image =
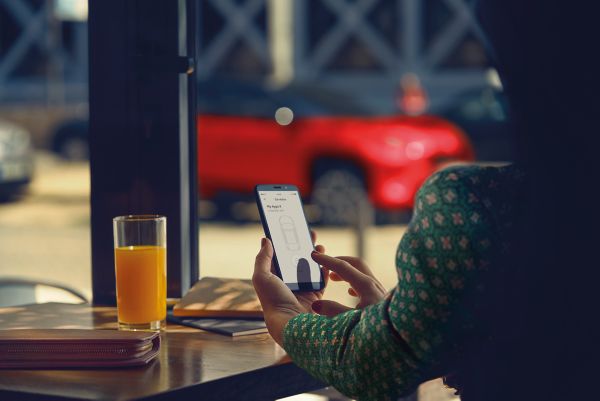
<point x="279" y="303"/>
<point x="363" y="283"/>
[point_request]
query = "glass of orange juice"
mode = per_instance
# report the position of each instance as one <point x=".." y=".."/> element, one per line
<point x="141" y="271"/>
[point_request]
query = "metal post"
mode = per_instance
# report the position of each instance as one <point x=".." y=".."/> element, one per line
<point x="365" y="217"/>
<point x="281" y="40"/>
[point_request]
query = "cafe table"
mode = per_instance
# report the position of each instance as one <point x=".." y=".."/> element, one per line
<point x="192" y="365"/>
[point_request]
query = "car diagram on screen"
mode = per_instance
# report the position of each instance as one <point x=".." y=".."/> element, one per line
<point x="303" y="271"/>
<point x="288" y="229"/>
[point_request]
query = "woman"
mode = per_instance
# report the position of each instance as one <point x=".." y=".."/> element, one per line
<point x="390" y="343"/>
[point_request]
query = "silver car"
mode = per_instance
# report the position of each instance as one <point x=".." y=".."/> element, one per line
<point x="16" y="160"/>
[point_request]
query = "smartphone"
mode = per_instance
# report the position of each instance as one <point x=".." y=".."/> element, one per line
<point x="284" y="222"/>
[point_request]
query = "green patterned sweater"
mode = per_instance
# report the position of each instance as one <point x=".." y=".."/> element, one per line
<point x="386" y="350"/>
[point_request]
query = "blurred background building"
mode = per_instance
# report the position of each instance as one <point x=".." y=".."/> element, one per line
<point x="362" y="48"/>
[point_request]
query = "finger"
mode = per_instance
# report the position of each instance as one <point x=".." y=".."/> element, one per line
<point x="335" y="277"/>
<point x="329" y="308"/>
<point x="352" y="292"/>
<point x="324" y="270"/>
<point x="325" y="273"/>
<point x="262" y="263"/>
<point x="358" y="263"/>
<point x="270" y="289"/>
<point x="313" y="236"/>
<point x="345" y="270"/>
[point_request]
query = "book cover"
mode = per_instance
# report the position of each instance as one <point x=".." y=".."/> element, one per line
<point x="226" y="326"/>
<point x="220" y="297"/>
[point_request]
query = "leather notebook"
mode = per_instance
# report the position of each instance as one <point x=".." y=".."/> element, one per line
<point x="75" y="348"/>
<point x="220" y="297"/>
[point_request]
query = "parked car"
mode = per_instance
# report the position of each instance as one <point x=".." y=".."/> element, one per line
<point x="483" y="115"/>
<point x="16" y="160"/>
<point x="338" y="155"/>
<point x="71" y="140"/>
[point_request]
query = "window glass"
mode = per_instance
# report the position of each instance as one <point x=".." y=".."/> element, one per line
<point x="345" y="103"/>
<point x="349" y="103"/>
<point x="44" y="173"/>
<point x="235" y="98"/>
<point x="341" y="101"/>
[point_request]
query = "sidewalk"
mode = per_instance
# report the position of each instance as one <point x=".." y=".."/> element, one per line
<point x="45" y="235"/>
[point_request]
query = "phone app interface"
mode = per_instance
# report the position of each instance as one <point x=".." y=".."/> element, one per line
<point x="290" y="236"/>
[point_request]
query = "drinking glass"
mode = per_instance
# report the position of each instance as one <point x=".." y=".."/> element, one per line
<point x="141" y="271"/>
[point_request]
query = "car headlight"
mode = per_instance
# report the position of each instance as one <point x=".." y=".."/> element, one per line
<point x="14" y="140"/>
<point x="415" y="150"/>
<point x="3" y="149"/>
<point x="22" y="141"/>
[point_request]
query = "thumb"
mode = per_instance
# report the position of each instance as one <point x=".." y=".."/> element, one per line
<point x="329" y="308"/>
<point x="262" y="263"/>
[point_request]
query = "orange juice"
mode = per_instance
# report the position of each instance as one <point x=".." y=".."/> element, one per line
<point x="141" y="273"/>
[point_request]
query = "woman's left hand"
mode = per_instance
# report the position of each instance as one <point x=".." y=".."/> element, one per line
<point x="279" y="303"/>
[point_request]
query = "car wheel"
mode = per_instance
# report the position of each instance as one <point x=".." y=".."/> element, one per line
<point x="341" y="196"/>
<point x="71" y="140"/>
<point x="5" y="197"/>
<point x="12" y="192"/>
<point x="75" y="149"/>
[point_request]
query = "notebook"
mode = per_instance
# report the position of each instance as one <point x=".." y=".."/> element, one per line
<point x="220" y="297"/>
<point x="226" y="326"/>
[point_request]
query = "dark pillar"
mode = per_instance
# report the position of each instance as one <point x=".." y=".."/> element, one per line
<point x="143" y="131"/>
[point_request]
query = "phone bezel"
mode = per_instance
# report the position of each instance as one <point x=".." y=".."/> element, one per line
<point x="302" y="287"/>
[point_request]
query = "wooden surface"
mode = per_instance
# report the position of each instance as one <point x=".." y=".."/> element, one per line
<point x="192" y="364"/>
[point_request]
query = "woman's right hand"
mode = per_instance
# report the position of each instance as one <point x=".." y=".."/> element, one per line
<point x="355" y="272"/>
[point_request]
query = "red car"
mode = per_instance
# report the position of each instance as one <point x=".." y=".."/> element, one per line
<point x="330" y="149"/>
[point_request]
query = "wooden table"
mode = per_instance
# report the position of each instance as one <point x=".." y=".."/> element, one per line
<point x="193" y="364"/>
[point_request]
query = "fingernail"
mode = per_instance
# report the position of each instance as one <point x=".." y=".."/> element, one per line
<point x="263" y="241"/>
<point x="316" y="252"/>
<point x="316" y="306"/>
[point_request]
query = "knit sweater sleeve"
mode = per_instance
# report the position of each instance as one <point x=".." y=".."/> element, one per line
<point x="386" y="350"/>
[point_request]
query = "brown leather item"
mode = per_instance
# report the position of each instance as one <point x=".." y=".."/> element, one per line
<point x="74" y="348"/>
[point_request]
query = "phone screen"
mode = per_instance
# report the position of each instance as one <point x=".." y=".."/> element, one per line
<point x="287" y="227"/>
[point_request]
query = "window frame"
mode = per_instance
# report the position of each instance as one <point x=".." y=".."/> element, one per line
<point x="142" y="85"/>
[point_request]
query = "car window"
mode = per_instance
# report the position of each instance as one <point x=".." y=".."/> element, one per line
<point x="238" y="99"/>
<point x="309" y="101"/>
<point x="486" y="105"/>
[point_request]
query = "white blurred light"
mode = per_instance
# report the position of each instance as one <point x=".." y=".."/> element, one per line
<point x="492" y="77"/>
<point x="305" y="397"/>
<point x="71" y="10"/>
<point x="284" y="116"/>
